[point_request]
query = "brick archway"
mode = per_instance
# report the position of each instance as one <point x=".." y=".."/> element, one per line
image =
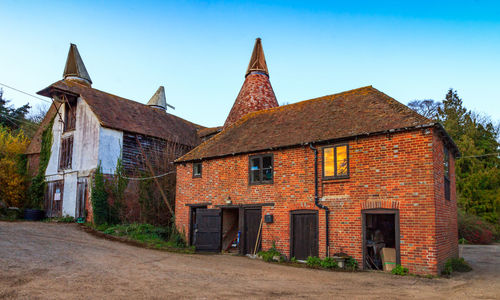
<point x="373" y="204"/>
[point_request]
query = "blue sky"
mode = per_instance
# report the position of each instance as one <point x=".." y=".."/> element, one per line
<point x="199" y="50"/>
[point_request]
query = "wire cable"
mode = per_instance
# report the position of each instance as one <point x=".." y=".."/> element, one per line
<point x="147" y="178"/>
<point x="17" y="90"/>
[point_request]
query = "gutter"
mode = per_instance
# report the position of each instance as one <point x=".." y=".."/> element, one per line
<point x="316" y="200"/>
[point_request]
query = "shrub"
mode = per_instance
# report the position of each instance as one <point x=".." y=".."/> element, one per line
<point x="329" y="263"/>
<point x="313" y="261"/>
<point x="100" y="198"/>
<point x="351" y="264"/>
<point x="400" y="270"/>
<point x="474" y="229"/>
<point x="269" y="255"/>
<point x="455" y="265"/>
<point x="293" y="259"/>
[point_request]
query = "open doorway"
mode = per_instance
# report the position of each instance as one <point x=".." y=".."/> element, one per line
<point x="380" y="239"/>
<point x="230" y="230"/>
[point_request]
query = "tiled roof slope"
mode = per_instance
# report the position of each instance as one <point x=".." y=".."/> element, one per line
<point x="36" y="142"/>
<point x="351" y="113"/>
<point x="127" y="115"/>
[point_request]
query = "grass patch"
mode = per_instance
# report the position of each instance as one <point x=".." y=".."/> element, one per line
<point x="400" y="270"/>
<point x="162" y="238"/>
<point x="455" y="265"/>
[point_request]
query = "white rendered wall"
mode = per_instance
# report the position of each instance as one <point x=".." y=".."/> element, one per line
<point x="69" y="194"/>
<point x="110" y="149"/>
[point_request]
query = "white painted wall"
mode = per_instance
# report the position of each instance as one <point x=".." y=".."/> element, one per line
<point x="110" y="148"/>
<point x="91" y="144"/>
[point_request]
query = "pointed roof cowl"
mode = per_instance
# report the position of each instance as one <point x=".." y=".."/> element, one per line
<point x="158" y="100"/>
<point x="257" y="61"/>
<point x="256" y="93"/>
<point x="75" y="69"/>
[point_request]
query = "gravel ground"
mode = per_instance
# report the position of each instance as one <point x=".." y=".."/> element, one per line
<point x="41" y="260"/>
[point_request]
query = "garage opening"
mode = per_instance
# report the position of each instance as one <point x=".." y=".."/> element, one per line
<point x="230" y="229"/>
<point x="380" y="239"/>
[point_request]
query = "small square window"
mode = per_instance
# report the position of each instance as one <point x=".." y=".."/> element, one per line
<point x="197" y="167"/>
<point x="336" y="162"/>
<point x="261" y="169"/>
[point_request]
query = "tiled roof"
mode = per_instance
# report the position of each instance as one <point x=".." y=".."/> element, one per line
<point x="348" y="114"/>
<point x="36" y="142"/>
<point x="127" y="115"/>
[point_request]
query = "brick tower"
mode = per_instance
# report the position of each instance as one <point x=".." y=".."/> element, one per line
<point x="256" y="93"/>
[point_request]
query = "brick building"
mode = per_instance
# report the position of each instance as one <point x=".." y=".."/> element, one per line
<point x="349" y="173"/>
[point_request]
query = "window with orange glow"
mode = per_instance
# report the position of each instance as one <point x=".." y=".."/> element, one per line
<point x="336" y="161"/>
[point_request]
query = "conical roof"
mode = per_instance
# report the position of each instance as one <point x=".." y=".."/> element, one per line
<point x="257" y="61"/>
<point x="256" y="93"/>
<point x="75" y="69"/>
<point x="159" y="99"/>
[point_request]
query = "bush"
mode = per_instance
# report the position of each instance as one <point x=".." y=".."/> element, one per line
<point x="269" y="255"/>
<point x="474" y="229"/>
<point x="313" y="261"/>
<point x="400" y="270"/>
<point x="329" y="263"/>
<point x="351" y="264"/>
<point x="293" y="259"/>
<point x="455" y="265"/>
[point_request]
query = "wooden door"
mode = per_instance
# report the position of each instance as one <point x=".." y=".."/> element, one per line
<point x="304" y="234"/>
<point x="81" y="197"/>
<point x="251" y="230"/>
<point x="54" y="198"/>
<point x="208" y="230"/>
<point x="192" y="224"/>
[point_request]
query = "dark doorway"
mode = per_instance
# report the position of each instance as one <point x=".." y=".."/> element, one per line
<point x="252" y="228"/>
<point x="380" y="234"/>
<point x="303" y="233"/>
<point x="192" y="222"/>
<point x="230" y="229"/>
<point x="207" y="235"/>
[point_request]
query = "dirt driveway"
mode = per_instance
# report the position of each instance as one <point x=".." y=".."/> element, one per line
<point x="39" y="260"/>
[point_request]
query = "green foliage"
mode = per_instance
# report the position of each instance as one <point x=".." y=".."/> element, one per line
<point x="313" y="261"/>
<point x="293" y="259"/>
<point x="99" y="198"/>
<point x="400" y="270"/>
<point x="269" y="255"/>
<point x="116" y="191"/>
<point x="477" y="171"/>
<point x="351" y="264"/>
<point x="37" y="187"/>
<point x="11" y="117"/>
<point x="474" y="230"/>
<point x="329" y="263"/>
<point x="157" y="237"/>
<point x="455" y="265"/>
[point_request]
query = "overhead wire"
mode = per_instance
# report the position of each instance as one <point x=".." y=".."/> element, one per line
<point x="23" y="92"/>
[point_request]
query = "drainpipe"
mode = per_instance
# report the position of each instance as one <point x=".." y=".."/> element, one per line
<point x="316" y="200"/>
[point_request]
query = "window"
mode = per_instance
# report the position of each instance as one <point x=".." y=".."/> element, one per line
<point x="69" y="116"/>
<point x="446" y="163"/>
<point x="261" y="169"/>
<point x="336" y="162"/>
<point x="197" y="170"/>
<point x="66" y="153"/>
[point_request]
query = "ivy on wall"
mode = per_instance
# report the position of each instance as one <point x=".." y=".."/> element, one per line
<point x="37" y="188"/>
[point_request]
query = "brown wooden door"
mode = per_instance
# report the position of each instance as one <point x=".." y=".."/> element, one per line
<point x="208" y="230"/>
<point x="81" y="197"/>
<point x="251" y="231"/>
<point x="304" y="234"/>
<point x="54" y="198"/>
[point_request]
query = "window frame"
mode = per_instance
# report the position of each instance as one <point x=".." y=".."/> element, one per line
<point x="335" y="176"/>
<point x="66" y="153"/>
<point x="201" y="169"/>
<point x="446" y="174"/>
<point x="261" y="169"/>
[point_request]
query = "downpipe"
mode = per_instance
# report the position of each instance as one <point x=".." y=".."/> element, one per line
<point x="316" y="200"/>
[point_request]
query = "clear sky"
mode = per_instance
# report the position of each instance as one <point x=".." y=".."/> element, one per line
<point x="199" y="50"/>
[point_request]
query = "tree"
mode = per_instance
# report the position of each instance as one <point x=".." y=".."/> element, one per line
<point x="427" y="108"/>
<point x="11" y="117"/>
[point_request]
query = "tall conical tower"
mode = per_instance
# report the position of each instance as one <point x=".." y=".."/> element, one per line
<point x="75" y="69"/>
<point x="256" y="93"/>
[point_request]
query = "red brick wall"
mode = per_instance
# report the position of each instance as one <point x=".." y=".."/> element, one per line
<point x="446" y="210"/>
<point x="393" y="171"/>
